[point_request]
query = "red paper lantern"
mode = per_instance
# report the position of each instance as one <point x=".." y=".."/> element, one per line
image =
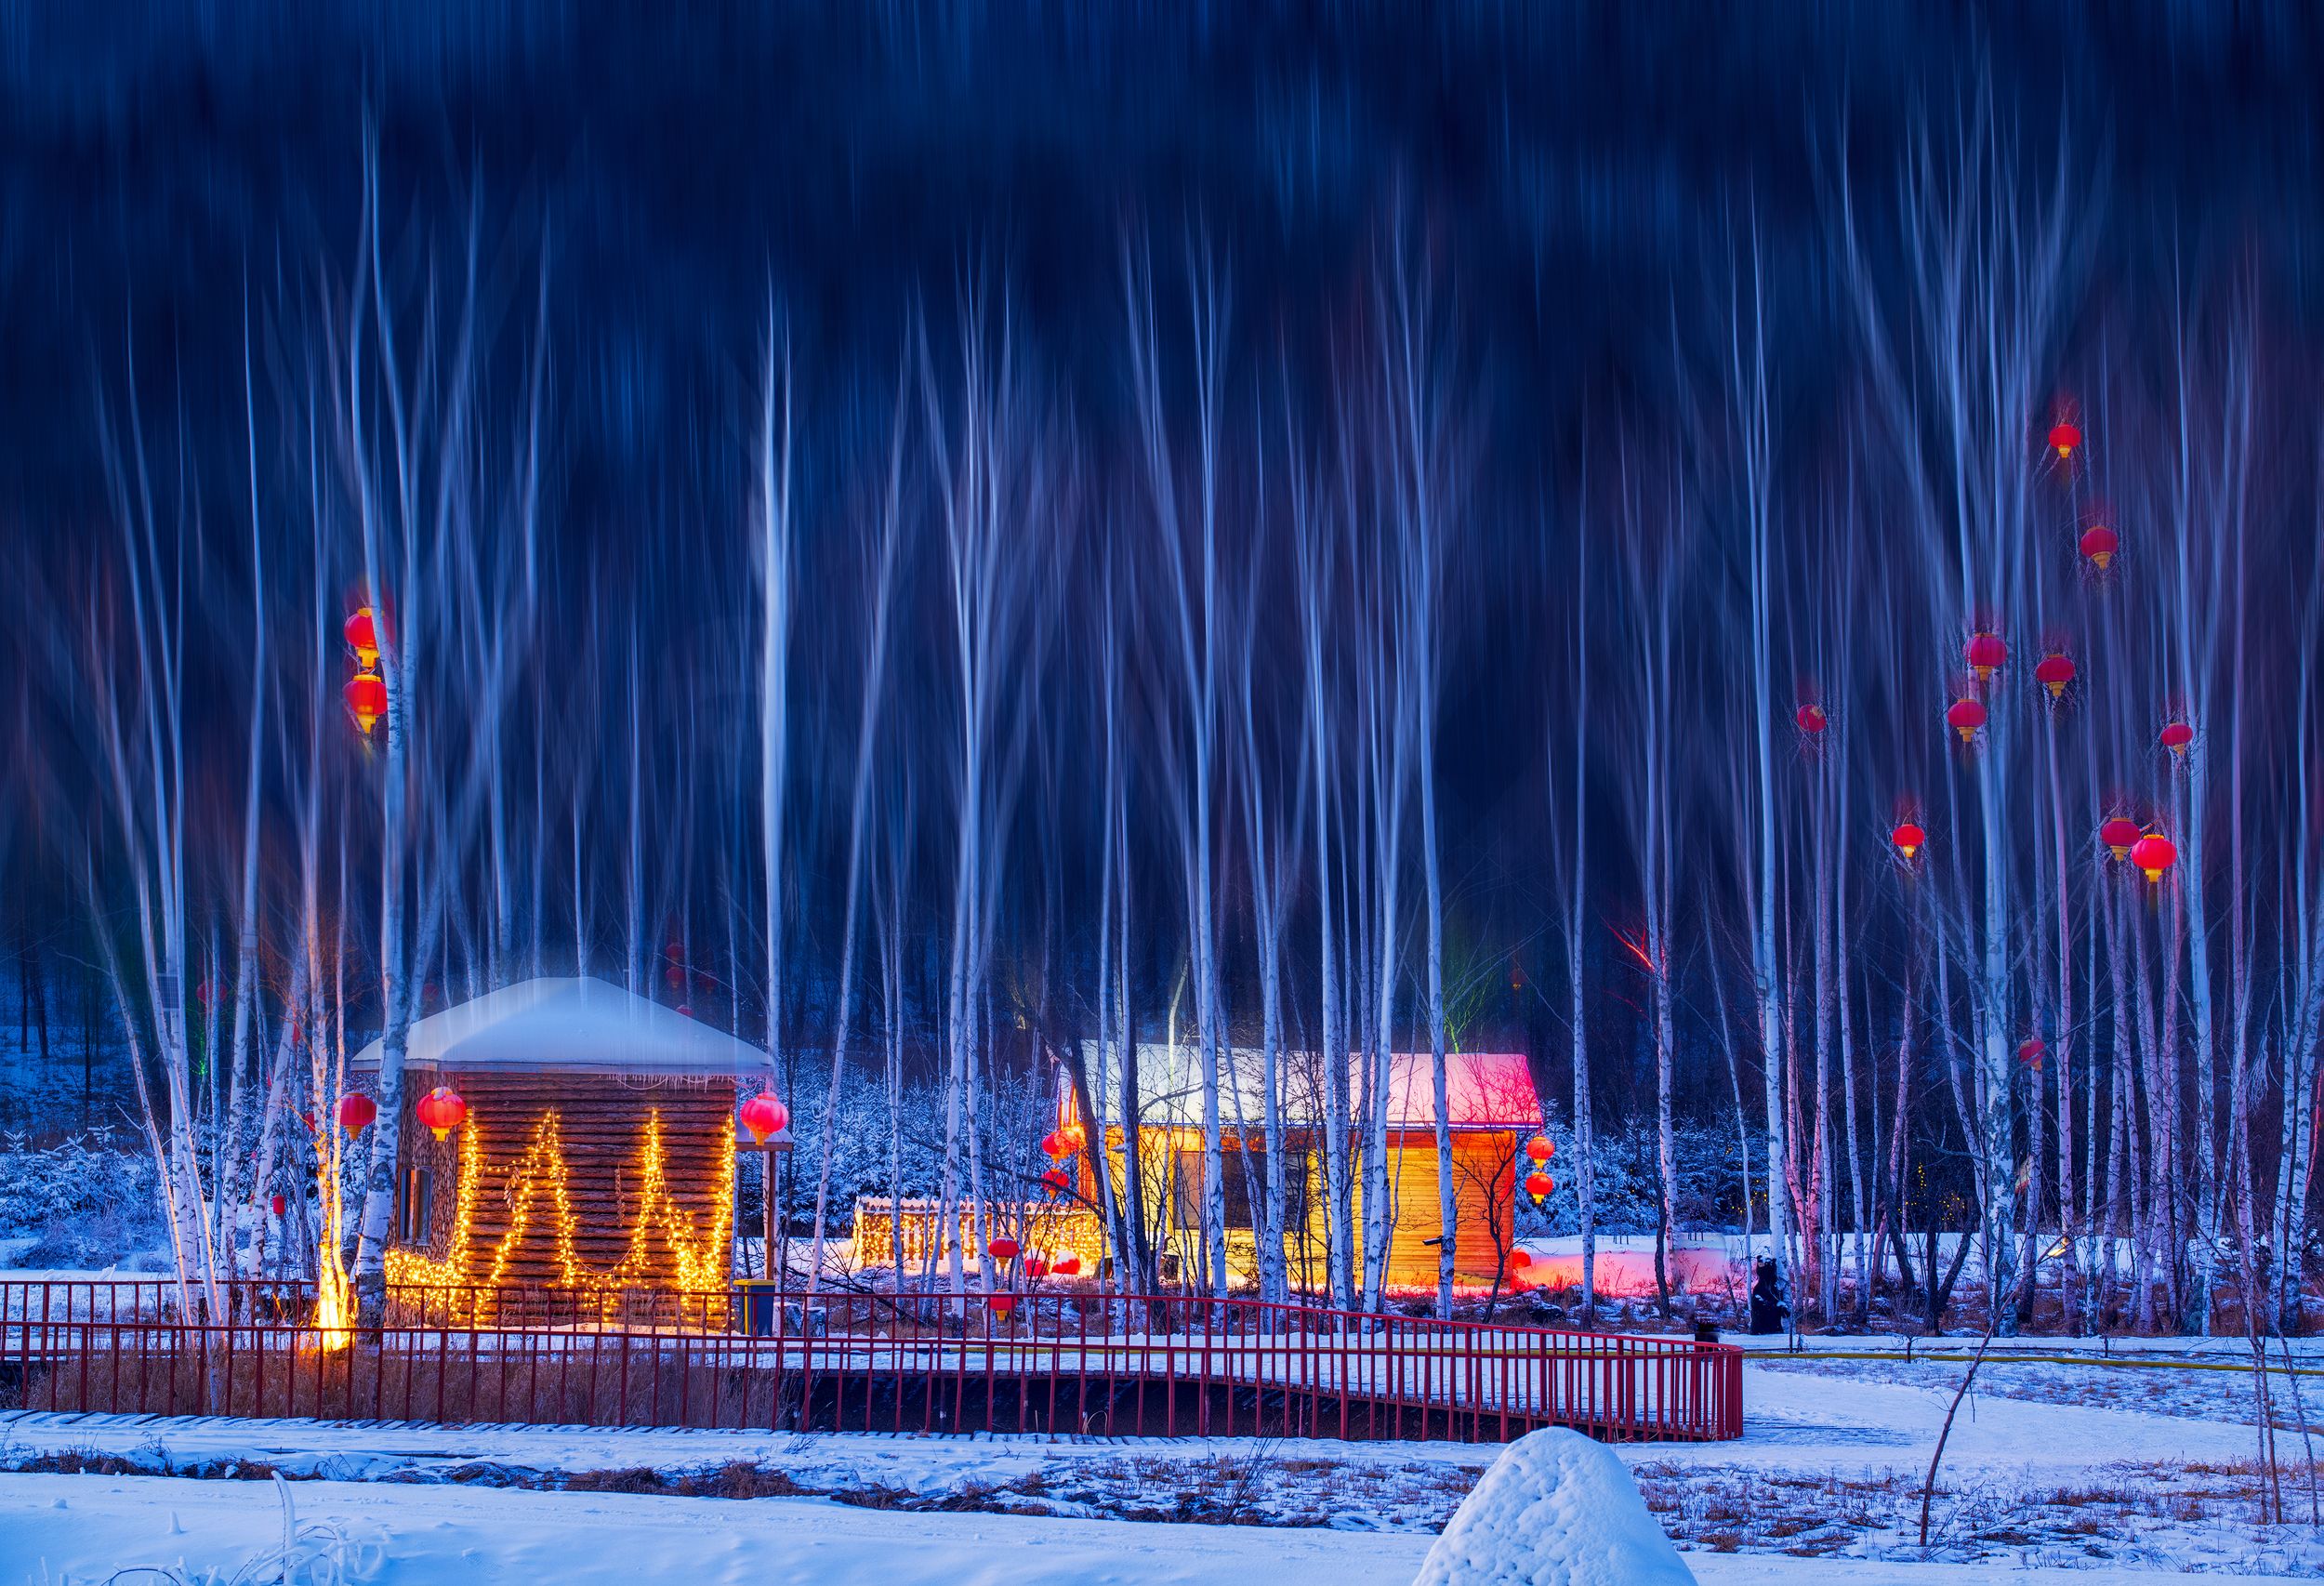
<point x="1067" y="1265"/>
<point x="1539" y="1148"/>
<point x="1538" y="1185"/>
<point x="1907" y="838"/>
<point x="763" y="1114"/>
<point x="1520" y="1257"/>
<point x="363" y="637"/>
<point x="1075" y="1138"/>
<point x="1035" y="1267"/>
<point x="2118" y="833"/>
<point x="276" y="1205"/>
<point x="1053" y="1146"/>
<point x="356" y="1111"/>
<point x="1002" y="1305"/>
<point x="366" y="698"/>
<point x="441" y="1110"/>
<point x="1003" y="1249"/>
<point x="1965" y="716"/>
<point x="2064" y="439"/>
<point x="2176" y="735"/>
<point x="675" y="978"/>
<point x="1812" y="720"/>
<point x="1056" y="1182"/>
<point x="685" y="1011"/>
<point x="2030" y="1051"/>
<point x="1986" y="654"/>
<point x="2098" y="546"/>
<point x="2153" y="855"/>
<point x="2054" y="673"/>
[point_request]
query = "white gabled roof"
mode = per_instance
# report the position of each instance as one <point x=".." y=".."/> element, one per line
<point x="573" y="1023"/>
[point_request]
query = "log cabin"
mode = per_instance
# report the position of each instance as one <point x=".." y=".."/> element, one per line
<point x="597" y="1151"/>
<point x="1492" y="1105"/>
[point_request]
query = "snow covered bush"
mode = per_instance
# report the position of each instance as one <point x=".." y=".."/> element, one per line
<point x="89" y="1200"/>
<point x="1554" y="1510"/>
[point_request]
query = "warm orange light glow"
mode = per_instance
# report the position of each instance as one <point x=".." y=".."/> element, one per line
<point x="698" y="1259"/>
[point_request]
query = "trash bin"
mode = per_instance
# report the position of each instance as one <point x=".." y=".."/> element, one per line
<point x="760" y="1296"/>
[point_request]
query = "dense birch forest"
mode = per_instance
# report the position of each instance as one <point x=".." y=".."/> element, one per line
<point x="1839" y="698"/>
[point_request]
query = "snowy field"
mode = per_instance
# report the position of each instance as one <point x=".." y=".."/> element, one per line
<point x="2043" y="1473"/>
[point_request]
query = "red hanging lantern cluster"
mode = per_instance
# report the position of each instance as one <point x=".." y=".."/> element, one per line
<point x="1909" y="838"/>
<point x="366" y="692"/>
<point x="764" y="1114"/>
<point x="2154" y="853"/>
<point x="1540" y="1185"/>
<point x="2053" y="672"/>
<point x="2098" y="545"/>
<point x="356" y="1111"/>
<point x="2066" y="438"/>
<point x="1986" y="654"/>
<point x="2176" y="737"/>
<point x="2119" y="832"/>
<point x="441" y="1110"/>
<point x="1812" y="720"/>
<point x="1965" y="716"/>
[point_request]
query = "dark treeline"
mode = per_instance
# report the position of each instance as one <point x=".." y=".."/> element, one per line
<point x="971" y="537"/>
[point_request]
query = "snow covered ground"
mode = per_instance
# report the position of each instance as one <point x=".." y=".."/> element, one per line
<point x="56" y="1530"/>
<point x="2040" y="1475"/>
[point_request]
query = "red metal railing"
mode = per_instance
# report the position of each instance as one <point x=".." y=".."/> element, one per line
<point x="1056" y="1361"/>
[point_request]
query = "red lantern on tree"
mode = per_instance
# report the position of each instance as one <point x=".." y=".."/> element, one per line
<point x="1054" y="1182"/>
<point x="2054" y="673"/>
<point x="1539" y="1148"/>
<point x="2030" y="1051"/>
<point x="277" y="1204"/>
<point x="1003" y="1249"/>
<point x="1908" y="838"/>
<point x="2098" y="546"/>
<point x="1520" y="1258"/>
<point x="356" y="1111"/>
<point x="1812" y="720"/>
<point x="366" y="698"/>
<point x="1075" y="1138"/>
<point x="2176" y="735"/>
<point x="441" y="1110"/>
<point x="764" y="1114"/>
<point x="1053" y="1146"/>
<point x="2066" y="438"/>
<point x="2118" y="833"/>
<point x="363" y="637"/>
<point x="1986" y="654"/>
<point x="2153" y="855"/>
<point x="1965" y="716"/>
<point x="1538" y="1185"/>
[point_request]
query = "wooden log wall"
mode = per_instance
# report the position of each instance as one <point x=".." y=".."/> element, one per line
<point x="600" y="1127"/>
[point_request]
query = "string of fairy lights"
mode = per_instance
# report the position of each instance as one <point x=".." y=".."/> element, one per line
<point x="697" y="1257"/>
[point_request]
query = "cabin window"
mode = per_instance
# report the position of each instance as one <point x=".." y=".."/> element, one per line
<point x="1245" y="1177"/>
<point x="415" y="1207"/>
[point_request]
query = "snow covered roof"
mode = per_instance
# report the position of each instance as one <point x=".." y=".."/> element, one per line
<point x="571" y="1024"/>
<point x="1484" y="1090"/>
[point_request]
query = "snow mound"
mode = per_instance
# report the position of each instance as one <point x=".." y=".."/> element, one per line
<point x="1554" y="1510"/>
